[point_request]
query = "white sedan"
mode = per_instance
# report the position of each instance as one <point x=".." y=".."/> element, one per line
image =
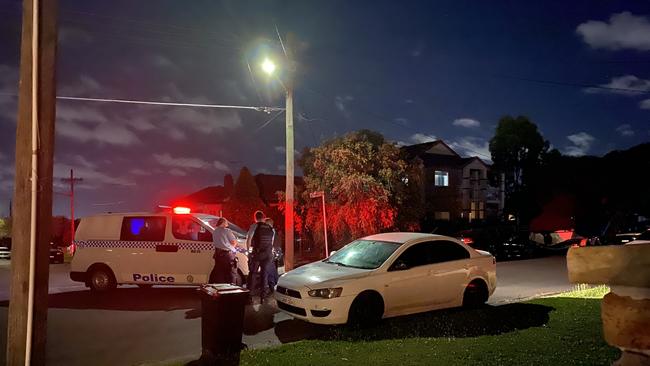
<point x="386" y="275"/>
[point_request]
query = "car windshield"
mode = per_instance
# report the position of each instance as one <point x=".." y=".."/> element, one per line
<point x="365" y="254"/>
<point x="212" y="220"/>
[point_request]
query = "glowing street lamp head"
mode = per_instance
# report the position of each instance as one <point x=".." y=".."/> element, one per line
<point x="268" y="66"/>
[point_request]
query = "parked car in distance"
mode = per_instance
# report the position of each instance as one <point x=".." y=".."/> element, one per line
<point x="56" y="254"/>
<point x="5" y="248"/>
<point x="387" y="275"/>
<point x="643" y="238"/>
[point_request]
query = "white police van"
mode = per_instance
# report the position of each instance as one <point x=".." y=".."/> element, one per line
<point x="146" y="249"/>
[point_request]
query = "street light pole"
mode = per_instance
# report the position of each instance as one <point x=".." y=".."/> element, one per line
<point x="289" y="185"/>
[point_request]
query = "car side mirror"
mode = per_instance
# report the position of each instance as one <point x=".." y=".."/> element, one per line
<point x="400" y="265"/>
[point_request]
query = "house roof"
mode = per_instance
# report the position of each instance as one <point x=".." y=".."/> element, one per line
<point x="430" y="159"/>
<point x="419" y="149"/>
<point x="212" y="194"/>
<point x="270" y="184"/>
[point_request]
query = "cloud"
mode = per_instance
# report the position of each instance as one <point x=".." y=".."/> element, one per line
<point x="623" y="85"/>
<point x="420" y="138"/>
<point x="623" y="31"/>
<point x="138" y="171"/>
<point x="103" y="133"/>
<point x="644" y="104"/>
<point x="188" y="163"/>
<point x="409" y="101"/>
<point x="466" y="122"/>
<point x="167" y="160"/>
<point x="581" y="141"/>
<point x="85" y="86"/>
<point x="177" y="172"/>
<point x="220" y="166"/>
<point x="341" y="103"/>
<point x="91" y="176"/>
<point x="625" y="130"/>
<point x="472" y="146"/>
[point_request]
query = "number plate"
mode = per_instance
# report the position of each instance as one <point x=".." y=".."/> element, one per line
<point x="284" y="299"/>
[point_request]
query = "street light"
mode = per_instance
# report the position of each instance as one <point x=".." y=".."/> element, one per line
<point x="269" y="68"/>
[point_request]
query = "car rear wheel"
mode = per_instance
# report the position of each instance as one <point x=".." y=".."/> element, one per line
<point x="101" y="279"/>
<point x="366" y="310"/>
<point x="476" y="294"/>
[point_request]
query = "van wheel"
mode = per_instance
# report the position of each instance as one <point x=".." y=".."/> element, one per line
<point x="476" y="294"/>
<point x="101" y="279"/>
<point x="366" y="310"/>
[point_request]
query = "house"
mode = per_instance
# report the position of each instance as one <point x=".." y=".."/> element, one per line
<point x="210" y="200"/>
<point x="455" y="187"/>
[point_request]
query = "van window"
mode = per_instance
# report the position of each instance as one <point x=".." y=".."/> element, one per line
<point x="143" y="228"/>
<point x="185" y="228"/>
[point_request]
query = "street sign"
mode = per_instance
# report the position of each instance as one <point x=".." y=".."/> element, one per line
<point x="316" y="194"/>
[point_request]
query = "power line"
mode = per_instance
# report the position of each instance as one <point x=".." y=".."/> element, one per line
<point x="197" y="105"/>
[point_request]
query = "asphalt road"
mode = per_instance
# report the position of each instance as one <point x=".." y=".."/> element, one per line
<point x="133" y="326"/>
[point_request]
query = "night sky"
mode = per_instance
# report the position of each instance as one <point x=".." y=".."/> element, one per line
<point x="411" y="70"/>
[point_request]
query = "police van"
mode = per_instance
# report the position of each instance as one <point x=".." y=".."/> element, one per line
<point x="146" y="249"/>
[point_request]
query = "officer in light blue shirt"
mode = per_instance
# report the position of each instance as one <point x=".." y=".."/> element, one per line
<point x="225" y="260"/>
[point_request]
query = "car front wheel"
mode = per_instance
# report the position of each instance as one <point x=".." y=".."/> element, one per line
<point x="366" y="310"/>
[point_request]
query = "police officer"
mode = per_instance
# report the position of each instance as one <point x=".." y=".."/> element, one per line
<point x="260" y="239"/>
<point x="225" y="262"/>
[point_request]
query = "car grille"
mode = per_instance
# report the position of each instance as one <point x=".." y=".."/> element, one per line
<point x="288" y="292"/>
<point x="292" y="309"/>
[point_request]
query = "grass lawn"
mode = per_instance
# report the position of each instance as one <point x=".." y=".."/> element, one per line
<point x="561" y="330"/>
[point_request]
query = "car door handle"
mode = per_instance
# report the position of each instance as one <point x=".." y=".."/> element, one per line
<point x="166" y="248"/>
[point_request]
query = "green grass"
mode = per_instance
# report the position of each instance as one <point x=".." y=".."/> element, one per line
<point x="565" y="329"/>
<point x="561" y="330"/>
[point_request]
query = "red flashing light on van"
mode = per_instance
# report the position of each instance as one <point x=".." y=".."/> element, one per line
<point x="467" y="241"/>
<point x="181" y="210"/>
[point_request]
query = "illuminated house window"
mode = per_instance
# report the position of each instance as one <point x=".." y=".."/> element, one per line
<point x="441" y="215"/>
<point x="441" y="179"/>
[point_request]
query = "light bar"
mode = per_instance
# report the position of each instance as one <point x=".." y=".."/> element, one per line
<point x="181" y="210"/>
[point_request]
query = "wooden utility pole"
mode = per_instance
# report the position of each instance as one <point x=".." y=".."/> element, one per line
<point x="72" y="180"/>
<point x="32" y="204"/>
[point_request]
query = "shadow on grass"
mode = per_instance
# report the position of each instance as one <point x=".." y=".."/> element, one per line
<point x="487" y="320"/>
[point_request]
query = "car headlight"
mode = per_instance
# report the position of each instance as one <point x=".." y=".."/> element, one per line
<point x="326" y="293"/>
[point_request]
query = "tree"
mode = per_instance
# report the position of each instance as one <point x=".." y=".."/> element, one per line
<point x="5" y="227"/>
<point x="517" y="150"/>
<point x="244" y="201"/>
<point x="365" y="180"/>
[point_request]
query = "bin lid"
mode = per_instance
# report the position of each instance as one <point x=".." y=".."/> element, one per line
<point x="219" y="289"/>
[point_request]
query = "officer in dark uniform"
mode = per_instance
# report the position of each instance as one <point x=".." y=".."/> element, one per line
<point x="261" y="257"/>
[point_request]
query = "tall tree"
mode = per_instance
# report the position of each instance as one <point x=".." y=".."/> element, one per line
<point x="244" y="201"/>
<point x="364" y="179"/>
<point x="517" y="149"/>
